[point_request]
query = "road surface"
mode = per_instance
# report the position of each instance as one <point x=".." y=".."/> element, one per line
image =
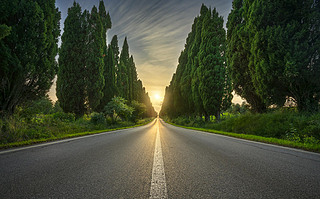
<point x="158" y="161"/>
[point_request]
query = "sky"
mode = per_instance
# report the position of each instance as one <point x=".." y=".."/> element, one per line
<point x="156" y="32"/>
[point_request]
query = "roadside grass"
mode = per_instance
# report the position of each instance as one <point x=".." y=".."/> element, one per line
<point x="285" y="127"/>
<point x="281" y="142"/>
<point x="64" y="133"/>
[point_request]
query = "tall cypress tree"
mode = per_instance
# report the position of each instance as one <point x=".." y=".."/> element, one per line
<point x="194" y="59"/>
<point x="52" y="22"/>
<point x="285" y="51"/>
<point x="212" y="68"/>
<point x="123" y="72"/>
<point x="71" y="75"/>
<point x="27" y="65"/>
<point x="115" y="47"/>
<point x="110" y="89"/>
<point x="133" y="80"/>
<point x="238" y="54"/>
<point x="94" y="62"/>
<point x="105" y="20"/>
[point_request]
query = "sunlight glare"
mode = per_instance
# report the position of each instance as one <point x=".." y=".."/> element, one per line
<point x="157" y="96"/>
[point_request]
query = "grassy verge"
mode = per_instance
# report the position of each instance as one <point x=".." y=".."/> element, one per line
<point x="276" y="141"/>
<point x="65" y="136"/>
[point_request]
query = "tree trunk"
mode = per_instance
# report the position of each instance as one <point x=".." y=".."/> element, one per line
<point x="206" y="117"/>
<point x="217" y="115"/>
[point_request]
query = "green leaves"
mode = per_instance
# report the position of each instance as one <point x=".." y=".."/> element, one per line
<point x="90" y="73"/>
<point x="71" y="82"/>
<point x="283" y="51"/>
<point x="201" y="85"/>
<point x="117" y="107"/>
<point x="238" y="57"/>
<point x="27" y="51"/>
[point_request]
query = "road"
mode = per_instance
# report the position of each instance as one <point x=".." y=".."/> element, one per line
<point x="158" y="161"/>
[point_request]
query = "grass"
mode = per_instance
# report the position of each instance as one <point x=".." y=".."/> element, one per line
<point x="71" y="135"/>
<point x="276" y="141"/>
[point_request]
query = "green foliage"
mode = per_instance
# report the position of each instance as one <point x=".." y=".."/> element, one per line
<point x="238" y="109"/>
<point x="285" y="51"/>
<point x="115" y="47"/>
<point x="212" y="70"/>
<point x="140" y="110"/>
<point x="110" y="88"/>
<point x="31" y="108"/>
<point x="201" y="84"/>
<point x="117" y="107"/>
<point x="72" y="70"/>
<point x="27" y="54"/>
<point x="4" y="31"/>
<point x="64" y="117"/>
<point x="34" y="126"/>
<point x="123" y="72"/>
<point x="105" y="21"/>
<point x="94" y="60"/>
<point x="281" y="124"/>
<point x="238" y="54"/>
<point x="98" y="118"/>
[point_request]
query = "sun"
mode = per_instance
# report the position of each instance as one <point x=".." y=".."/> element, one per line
<point x="157" y="97"/>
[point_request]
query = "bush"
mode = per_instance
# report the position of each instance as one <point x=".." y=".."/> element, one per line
<point x="64" y="117"/>
<point x="283" y="124"/>
<point x="41" y="106"/>
<point x="117" y="107"/>
<point x="98" y="118"/>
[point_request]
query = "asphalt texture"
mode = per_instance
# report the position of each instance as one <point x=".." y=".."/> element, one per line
<point x="119" y="164"/>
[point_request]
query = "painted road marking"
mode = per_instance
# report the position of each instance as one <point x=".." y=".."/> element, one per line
<point x="158" y="182"/>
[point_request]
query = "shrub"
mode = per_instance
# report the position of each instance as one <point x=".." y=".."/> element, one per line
<point x="64" y="117"/>
<point x="117" y="107"/>
<point x="31" y="108"/>
<point x="98" y="118"/>
<point x="283" y="124"/>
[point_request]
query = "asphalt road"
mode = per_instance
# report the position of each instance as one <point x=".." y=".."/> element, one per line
<point x="158" y="161"/>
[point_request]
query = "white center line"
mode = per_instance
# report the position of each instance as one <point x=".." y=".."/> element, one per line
<point x="158" y="182"/>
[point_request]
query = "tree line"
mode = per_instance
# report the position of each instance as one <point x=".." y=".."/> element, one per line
<point x="201" y="85"/>
<point x="270" y="55"/>
<point x="90" y="72"/>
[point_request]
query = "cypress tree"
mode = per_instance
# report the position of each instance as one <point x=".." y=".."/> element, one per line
<point x="115" y="47"/>
<point x="52" y="18"/>
<point x="238" y="55"/>
<point x="133" y="80"/>
<point x="194" y="56"/>
<point x="26" y="65"/>
<point x="105" y="20"/>
<point x="123" y="72"/>
<point x="110" y="89"/>
<point x="71" y="75"/>
<point x="285" y="51"/>
<point x="212" y="68"/>
<point x="94" y="61"/>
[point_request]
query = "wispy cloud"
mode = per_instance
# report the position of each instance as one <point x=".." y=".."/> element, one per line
<point x="156" y="31"/>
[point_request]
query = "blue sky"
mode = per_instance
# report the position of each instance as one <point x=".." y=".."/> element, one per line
<point x="156" y="31"/>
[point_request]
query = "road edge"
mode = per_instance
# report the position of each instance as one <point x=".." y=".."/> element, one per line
<point x="273" y="141"/>
<point x="68" y="136"/>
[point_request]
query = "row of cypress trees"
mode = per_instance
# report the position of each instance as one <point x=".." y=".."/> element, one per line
<point x="91" y="72"/>
<point x="271" y="55"/>
<point x="273" y="52"/>
<point x="29" y="31"/>
<point x="201" y="85"/>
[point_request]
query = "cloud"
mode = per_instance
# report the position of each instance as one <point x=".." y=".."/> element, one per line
<point x="156" y="31"/>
